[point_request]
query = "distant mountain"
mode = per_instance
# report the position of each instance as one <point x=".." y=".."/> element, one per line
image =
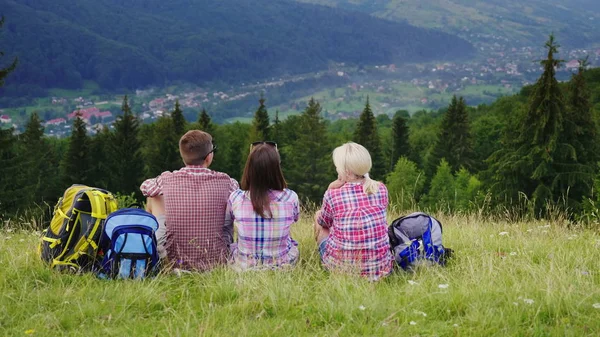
<point x="523" y="22"/>
<point x="136" y="43"/>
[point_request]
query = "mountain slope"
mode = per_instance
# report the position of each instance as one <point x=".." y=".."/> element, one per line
<point x="135" y="43"/>
<point x="575" y="22"/>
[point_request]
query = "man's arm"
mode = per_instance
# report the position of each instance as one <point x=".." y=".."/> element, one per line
<point x="152" y="187"/>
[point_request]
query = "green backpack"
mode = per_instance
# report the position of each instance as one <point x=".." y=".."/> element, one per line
<point x="72" y="240"/>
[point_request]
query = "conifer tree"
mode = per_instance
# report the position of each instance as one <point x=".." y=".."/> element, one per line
<point x="580" y="132"/>
<point x="100" y="147"/>
<point x="400" y="144"/>
<point x="580" y="128"/>
<point x="179" y="121"/>
<point x="76" y="164"/>
<point x="276" y="127"/>
<point x="205" y="122"/>
<point x="37" y="159"/>
<point x="5" y="71"/>
<point x="162" y="148"/>
<point x="10" y="166"/>
<point x="310" y="168"/>
<point x="540" y="163"/>
<point x="454" y="138"/>
<point x="127" y="164"/>
<point x="260" y="124"/>
<point x="366" y="135"/>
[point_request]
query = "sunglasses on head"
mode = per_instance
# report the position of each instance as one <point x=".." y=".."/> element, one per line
<point x="263" y="142"/>
<point x="214" y="150"/>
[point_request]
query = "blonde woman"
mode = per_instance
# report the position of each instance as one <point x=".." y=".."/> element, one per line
<point x="351" y="227"/>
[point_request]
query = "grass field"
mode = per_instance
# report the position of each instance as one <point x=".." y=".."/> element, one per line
<point x="520" y="279"/>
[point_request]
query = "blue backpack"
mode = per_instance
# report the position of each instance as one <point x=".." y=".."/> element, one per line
<point x="417" y="237"/>
<point x="130" y="244"/>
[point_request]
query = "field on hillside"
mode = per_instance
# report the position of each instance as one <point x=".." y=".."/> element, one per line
<point x="507" y="279"/>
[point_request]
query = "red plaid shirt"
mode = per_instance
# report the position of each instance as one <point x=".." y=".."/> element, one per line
<point x="358" y="240"/>
<point x="195" y="201"/>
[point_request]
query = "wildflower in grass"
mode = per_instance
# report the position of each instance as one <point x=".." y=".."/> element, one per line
<point x="513" y="253"/>
<point x="29" y="332"/>
<point x="9" y="230"/>
<point x="503" y="233"/>
<point x="362" y="307"/>
<point x="528" y="301"/>
<point x="443" y="286"/>
<point x="412" y="283"/>
<point x="420" y="313"/>
<point x="21" y="240"/>
<point x="413" y="323"/>
<point x="596" y="305"/>
<point x="455" y="325"/>
<point x="529" y="230"/>
<point x="8" y="237"/>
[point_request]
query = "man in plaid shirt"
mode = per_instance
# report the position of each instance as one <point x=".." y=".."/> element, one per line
<point x="190" y="207"/>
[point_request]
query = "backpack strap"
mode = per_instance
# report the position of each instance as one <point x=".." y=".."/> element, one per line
<point x="431" y="251"/>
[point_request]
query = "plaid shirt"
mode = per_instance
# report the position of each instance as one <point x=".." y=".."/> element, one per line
<point x="264" y="242"/>
<point x="358" y="240"/>
<point x="195" y="201"/>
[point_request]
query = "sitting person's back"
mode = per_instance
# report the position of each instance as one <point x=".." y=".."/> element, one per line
<point x="352" y="224"/>
<point x="195" y="199"/>
<point x="263" y="213"/>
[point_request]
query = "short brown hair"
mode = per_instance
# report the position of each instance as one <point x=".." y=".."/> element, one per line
<point x="194" y="146"/>
<point x="261" y="174"/>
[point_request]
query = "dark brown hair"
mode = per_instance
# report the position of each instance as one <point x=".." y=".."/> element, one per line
<point x="194" y="146"/>
<point x="261" y="174"/>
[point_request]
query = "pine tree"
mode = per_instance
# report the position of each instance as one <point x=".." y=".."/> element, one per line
<point x="366" y="135"/>
<point x="205" y="122"/>
<point x="540" y="163"/>
<point x="454" y="139"/>
<point x="5" y="71"/>
<point x="580" y="132"/>
<point x="179" y="121"/>
<point x="162" y="148"/>
<point x="100" y="147"/>
<point x="309" y="167"/>
<point x="76" y="164"/>
<point x="580" y="127"/>
<point x="38" y="156"/>
<point x="10" y="166"/>
<point x="400" y="144"/>
<point x="260" y="124"/>
<point x="127" y="165"/>
<point x="276" y="127"/>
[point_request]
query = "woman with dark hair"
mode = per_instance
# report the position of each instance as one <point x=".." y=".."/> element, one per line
<point x="263" y="211"/>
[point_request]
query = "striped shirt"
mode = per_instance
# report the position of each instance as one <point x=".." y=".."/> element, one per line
<point x="358" y="240"/>
<point x="195" y="202"/>
<point x="264" y="242"/>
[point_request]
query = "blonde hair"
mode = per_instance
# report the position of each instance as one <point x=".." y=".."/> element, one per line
<point x="353" y="158"/>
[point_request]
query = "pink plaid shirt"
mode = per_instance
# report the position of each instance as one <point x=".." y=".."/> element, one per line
<point x="358" y="240"/>
<point x="195" y="201"/>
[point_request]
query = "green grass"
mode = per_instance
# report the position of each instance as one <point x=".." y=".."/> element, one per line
<point x="532" y="281"/>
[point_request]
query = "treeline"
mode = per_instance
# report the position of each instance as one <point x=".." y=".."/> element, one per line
<point x="134" y="44"/>
<point x="529" y="154"/>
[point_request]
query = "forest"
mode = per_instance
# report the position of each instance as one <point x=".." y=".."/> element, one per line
<point x="530" y="154"/>
<point x="135" y="44"/>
